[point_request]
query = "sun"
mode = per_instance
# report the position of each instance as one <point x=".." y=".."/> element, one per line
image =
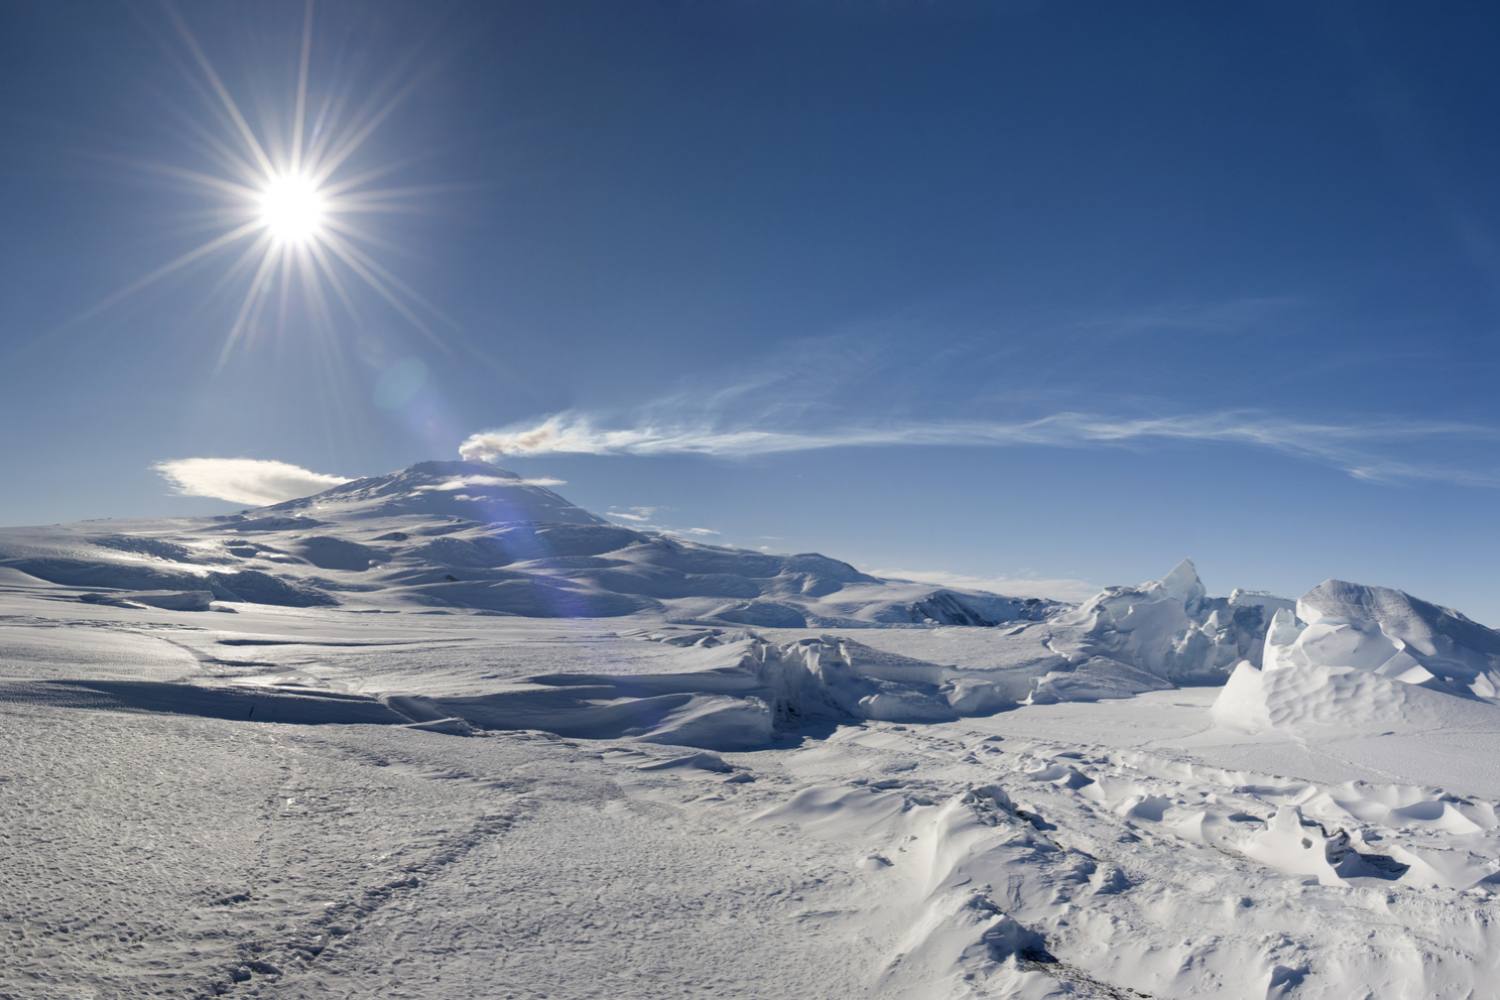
<point x="295" y="199"/>
<point x="292" y="209"/>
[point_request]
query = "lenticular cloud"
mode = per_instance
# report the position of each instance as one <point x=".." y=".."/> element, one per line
<point x="243" y="480"/>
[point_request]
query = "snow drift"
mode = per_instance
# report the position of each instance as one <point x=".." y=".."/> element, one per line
<point x="1362" y="659"/>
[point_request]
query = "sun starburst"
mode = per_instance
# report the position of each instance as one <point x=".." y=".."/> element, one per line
<point x="289" y="201"/>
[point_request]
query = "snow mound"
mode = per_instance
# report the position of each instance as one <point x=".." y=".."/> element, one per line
<point x="1364" y="659"/>
<point x="167" y="600"/>
<point x="1398" y="636"/>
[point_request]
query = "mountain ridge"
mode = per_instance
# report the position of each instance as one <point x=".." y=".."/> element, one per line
<point x="464" y="536"/>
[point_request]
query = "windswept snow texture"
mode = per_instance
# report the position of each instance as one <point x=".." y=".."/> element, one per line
<point x="442" y="733"/>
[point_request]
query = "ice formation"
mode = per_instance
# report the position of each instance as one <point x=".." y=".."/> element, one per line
<point x="1356" y="657"/>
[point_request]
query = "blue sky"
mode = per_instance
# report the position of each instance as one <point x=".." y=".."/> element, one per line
<point x="1033" y="293"/>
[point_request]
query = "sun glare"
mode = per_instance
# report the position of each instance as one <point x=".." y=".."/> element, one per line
<point x="291" y="208"/>
<point x="290" y="196"/>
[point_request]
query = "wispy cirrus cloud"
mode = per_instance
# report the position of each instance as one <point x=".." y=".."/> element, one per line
<point x="1371" y="450"/>
<point x="252" y="481"/>
<point x="644" y="518"/>
<point x="1052" y="381"/>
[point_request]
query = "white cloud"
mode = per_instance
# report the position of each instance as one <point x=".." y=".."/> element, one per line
<point x="635" y="515"/>
<point x="1359" y="449"/>
<point x="251" y="481"/>
<point x="643" y="518"/>
<point x="1058" y="589"/>
<point x="468" y="482"/>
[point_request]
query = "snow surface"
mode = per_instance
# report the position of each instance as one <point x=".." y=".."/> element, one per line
<point x="444" y="734"/>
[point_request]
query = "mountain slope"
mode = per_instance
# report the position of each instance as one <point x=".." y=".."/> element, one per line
<point x="460" y="535"/>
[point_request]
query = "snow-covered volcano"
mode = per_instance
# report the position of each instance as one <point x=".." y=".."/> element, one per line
<point x="462" y="490"/>
<point x="461" y="535"/>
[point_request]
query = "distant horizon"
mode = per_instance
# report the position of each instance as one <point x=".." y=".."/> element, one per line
<point x="275" y="475"/>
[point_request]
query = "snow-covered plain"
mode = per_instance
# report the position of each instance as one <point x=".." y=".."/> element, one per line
<point x="443" y="734"/>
